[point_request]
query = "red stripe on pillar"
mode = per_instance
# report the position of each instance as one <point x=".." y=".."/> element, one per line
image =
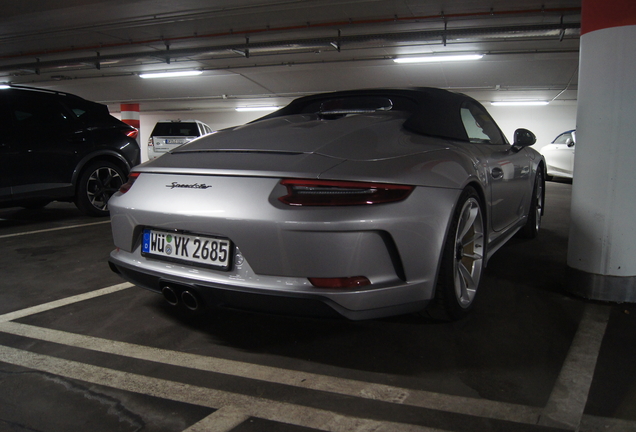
<point x="130" y="114"/>
<point x="602" y="14"/>
<point x="130" y="107"/>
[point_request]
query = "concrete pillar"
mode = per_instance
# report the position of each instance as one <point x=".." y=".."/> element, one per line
<point x="602" y="245"/>
<point x="130" y="114"/>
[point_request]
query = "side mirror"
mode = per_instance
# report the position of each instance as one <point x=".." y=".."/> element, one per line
<point x="569" y="142"/>
<point x="524" y="138"/>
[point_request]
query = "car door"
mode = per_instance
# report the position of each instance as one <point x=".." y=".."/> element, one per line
<point x="508" y="170"/>
<point x="45" y="145"/>
<point x="562" y="155"/>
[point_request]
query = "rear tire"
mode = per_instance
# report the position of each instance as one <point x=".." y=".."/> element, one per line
<point x="531" y="229"/>
<point x="99" y="181"/>
<point x="462" y="261"/>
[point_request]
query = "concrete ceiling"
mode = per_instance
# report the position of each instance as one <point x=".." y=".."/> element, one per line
<point x="264" y="52"/>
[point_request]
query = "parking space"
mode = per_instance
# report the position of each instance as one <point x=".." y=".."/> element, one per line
<point x="82" y="350"/>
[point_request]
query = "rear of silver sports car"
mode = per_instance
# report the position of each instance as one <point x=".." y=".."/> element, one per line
<point x="295" y="214"/>
<point x="280" y="244"/>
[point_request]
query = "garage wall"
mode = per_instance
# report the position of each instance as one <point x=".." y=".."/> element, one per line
<point x="545" y="121"/>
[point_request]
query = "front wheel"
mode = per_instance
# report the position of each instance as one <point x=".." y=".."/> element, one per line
<point x="462" y="260"/>
<point x="99" y="181"/>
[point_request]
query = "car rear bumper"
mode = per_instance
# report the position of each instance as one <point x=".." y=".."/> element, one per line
<point x="276" y="248"/>
<point x="276" y="295"/>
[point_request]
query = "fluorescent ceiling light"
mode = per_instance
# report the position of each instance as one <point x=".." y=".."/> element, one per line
<point x="438" y="58"/>
<point x="257" y="108"/>
<point x="4" y="86"/>
<point x="520" y="103"/>
<point x="170" y="74"/>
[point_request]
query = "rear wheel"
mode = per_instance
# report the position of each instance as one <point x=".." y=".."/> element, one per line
<point x="531" y="229"/>
<point x="462" y="260"/>
<point x="97" y="184"/>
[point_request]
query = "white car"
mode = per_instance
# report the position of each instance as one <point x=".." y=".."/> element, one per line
<point x="559" y="155"/>
<point x="170" y="134"/>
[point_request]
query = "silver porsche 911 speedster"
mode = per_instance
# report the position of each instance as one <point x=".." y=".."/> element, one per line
<point x="359" y="203"/>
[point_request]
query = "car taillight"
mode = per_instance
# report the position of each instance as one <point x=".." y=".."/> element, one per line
<point x="131" y="179"/>
<point x="343" y="282"/>
<point x="150" y="142"/>
<point x="132" y="133"/>
<point x="336" y="193"/>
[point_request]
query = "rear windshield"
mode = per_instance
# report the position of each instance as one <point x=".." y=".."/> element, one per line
<point x="175" y="129"/>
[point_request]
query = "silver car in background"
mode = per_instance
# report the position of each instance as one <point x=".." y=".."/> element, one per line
<point x="170" y="134"/>
<point x="358" y="203"/>
<point x="559" y="155"/>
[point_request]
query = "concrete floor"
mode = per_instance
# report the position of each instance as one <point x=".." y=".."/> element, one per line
<point x="82" y="351"/>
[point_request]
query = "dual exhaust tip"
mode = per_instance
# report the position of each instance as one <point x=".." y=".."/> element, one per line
<point x="175" y="296"/>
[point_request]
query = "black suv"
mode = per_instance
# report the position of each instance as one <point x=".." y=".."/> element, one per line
<point x="58" y="146"/>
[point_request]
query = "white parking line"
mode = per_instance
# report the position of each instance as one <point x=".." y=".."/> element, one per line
<point x="63" y="302"/>
<point x="569" y="396"/>
<point x="53" y="229"/>
<point x="221" y="420"/>
<point x="170" y="390"/>
<point x="565" y="406"/>
<point x="417" y="398"/>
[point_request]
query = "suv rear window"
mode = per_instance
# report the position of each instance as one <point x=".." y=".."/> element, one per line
<point x="175" y="129"/>
<point x="89" y="112"/>
<point x="38" y="113"/>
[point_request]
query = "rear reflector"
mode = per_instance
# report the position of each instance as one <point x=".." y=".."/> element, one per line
<point x="131" y="179"/>
<point x="345" y="282"/>
<point x="337" y="193"/>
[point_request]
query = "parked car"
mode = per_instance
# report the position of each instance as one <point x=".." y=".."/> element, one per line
<point x="58" y="146"/>
<point x="170" y="134"/>
<point x="360" y="203"/>
<point x="559" y="155"/>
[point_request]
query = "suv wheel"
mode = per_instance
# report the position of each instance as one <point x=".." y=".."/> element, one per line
<point x="99" y="181"/>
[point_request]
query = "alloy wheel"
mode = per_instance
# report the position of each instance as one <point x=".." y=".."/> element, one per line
<point x="102" y="184"/>
<point x="469" y="251"/>
<point x="539" y="201"/>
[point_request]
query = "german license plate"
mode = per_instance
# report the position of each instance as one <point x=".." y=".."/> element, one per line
<point x="175" y="141"/>
<point x="215" y="252"/>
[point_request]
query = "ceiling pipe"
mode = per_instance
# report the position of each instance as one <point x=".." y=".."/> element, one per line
<point x="304" y="26"/>
<point x="322" y="62"/>
<point x="274" y="47"/>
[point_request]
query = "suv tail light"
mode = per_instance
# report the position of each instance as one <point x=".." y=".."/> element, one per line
<point x="337" y="193"/>
<point x="131" y="179"/>
<point x="131" y="133"/>
<point x="151" y="142"/>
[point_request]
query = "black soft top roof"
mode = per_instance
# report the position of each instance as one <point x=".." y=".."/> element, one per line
<point x="433" y="111"/>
